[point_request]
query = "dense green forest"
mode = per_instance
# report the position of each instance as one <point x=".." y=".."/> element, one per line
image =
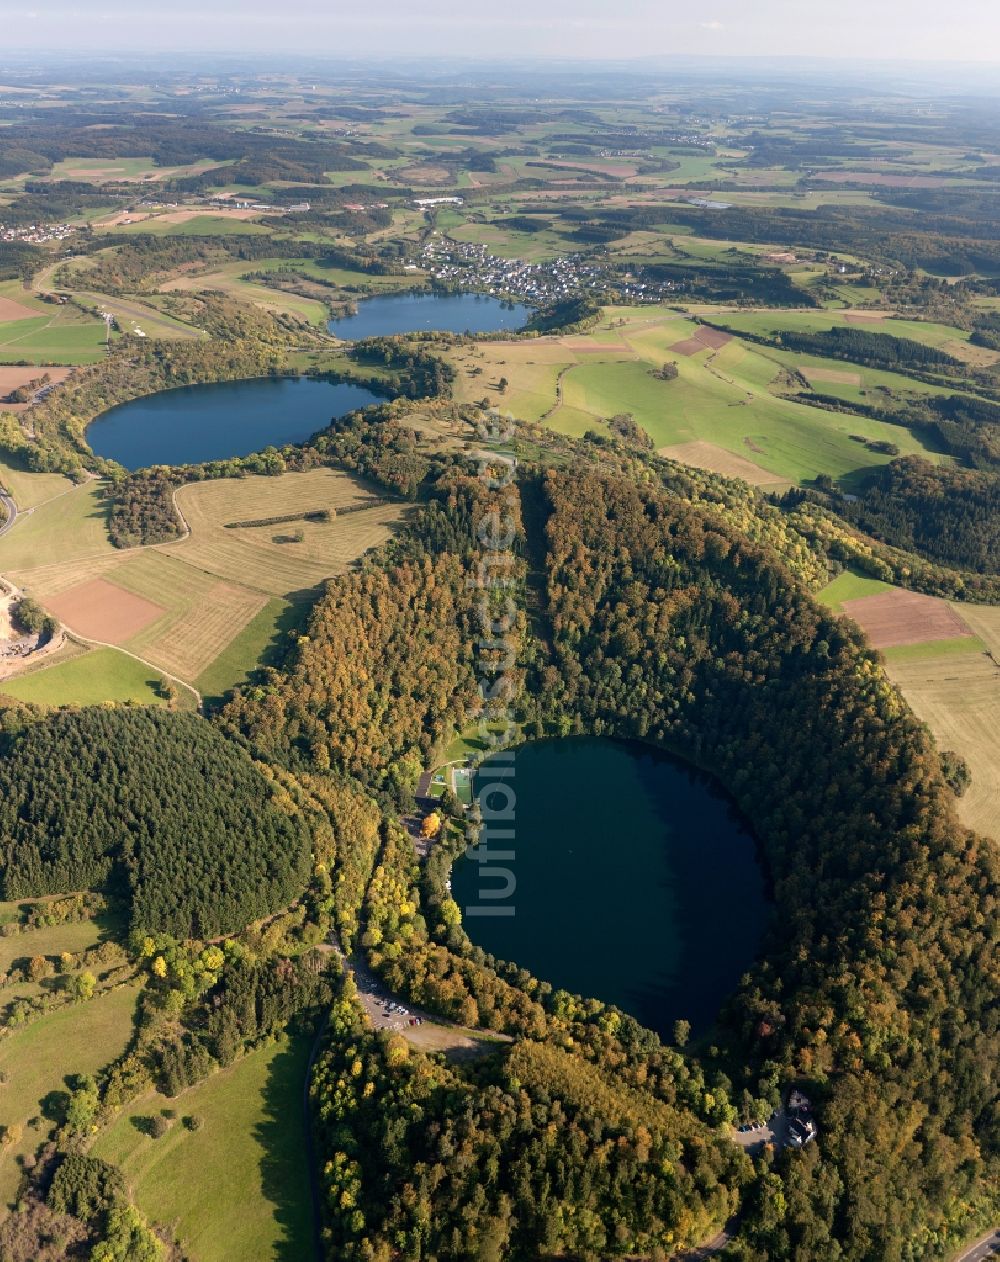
<point x="952" y="515"/>
<point x="747" y="676"/>
<point x="874" y="988"/>
<point x="156" y="807"/>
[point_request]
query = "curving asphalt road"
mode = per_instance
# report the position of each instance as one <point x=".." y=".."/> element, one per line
<point x="985" y="1247"/>
<point x="8" y="502"/>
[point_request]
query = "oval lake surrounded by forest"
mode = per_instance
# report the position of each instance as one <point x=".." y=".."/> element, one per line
<point x="216" y="421"/>
<point x="637" y="882"/>
<point x="430" y="312"/>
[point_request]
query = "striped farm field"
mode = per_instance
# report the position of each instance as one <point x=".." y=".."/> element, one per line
<point x="957" y="694"/>
<point x="200" y="614"/>
<point x="206" y="608"/>
<point x="268" y="558"/>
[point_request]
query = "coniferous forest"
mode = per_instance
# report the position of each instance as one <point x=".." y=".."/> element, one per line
<point x="158" y="808"/>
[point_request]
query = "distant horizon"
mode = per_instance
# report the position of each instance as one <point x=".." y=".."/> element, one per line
<point x="967" y="32"/>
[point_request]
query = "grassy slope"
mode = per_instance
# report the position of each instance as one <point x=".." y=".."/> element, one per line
<point x="850" y="585"/>
<point x="247" y="651"/>
<point x="250" y="1148"/>
<point x="729" y="398"/>
<point x="73" y="526"/>
<point x="90" y="679"/>
<point x="31" y="489"/>
<point x="78" y="1039"/>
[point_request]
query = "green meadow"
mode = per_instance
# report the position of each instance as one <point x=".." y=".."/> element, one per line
<point x="238" y="1187"/>
<point x="89" y="679"/>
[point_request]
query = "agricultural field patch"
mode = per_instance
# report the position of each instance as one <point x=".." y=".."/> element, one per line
<point x="70" y="527"/>
<point x="261" y="639"/>
<point x="731" y="398"/>
<point x="89" y="678"/>
<point x="66" y="336"/>
<point x="191" y="606"/>
<point x="13" y="377"/>
<point x="830" y="376"/>
<point x="850" y="585"/>
<point x="958" y="697"/>
<point x="81" y="1038"/>
<point x="184" y="224"/>
<point x="704" y="339"/>
<point x="126" y="170"/>
<point x="884" y="178"/>
<point x="899" y="617"/>
<point x="11" y="310"/>
<point x="270" y="558"/>
<point x="99" y="610"/>
<point x="200" y="613"/>
<point x="984" y="621"/>
<point x="717" y="460"/>
<point x="48" y="940"/>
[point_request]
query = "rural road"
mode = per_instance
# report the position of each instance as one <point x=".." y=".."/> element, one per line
<point x="8" y="502"/>
<point x="987" y="1246"/>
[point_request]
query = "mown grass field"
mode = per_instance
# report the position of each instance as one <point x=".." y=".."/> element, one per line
<point x="957" y="694"/>
<point x="251" y="1144"/>
<point x="79" y="1039"/>
<point x="265" y="557"/>
<point x="89" y="679"/>
<point x="61" y="335"/>
<point x="952" y="685"/>
<point x="201" y="614"/>
<point x="256" y="644"/>
<point x="30" y="489"/>
<point x="72" y="526"/>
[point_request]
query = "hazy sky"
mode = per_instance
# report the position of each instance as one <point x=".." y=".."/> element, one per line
<point x="957" y="30"/>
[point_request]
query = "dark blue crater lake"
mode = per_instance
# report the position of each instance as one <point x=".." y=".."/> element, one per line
<point x="637" y="881"/>
<point x="440" y="313"/>
<point x="223" y="419"/>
